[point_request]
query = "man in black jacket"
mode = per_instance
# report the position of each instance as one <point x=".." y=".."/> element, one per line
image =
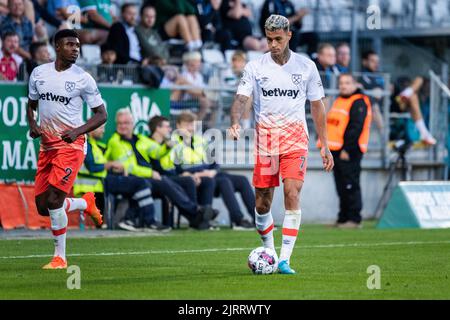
<point x="122" y="37"/>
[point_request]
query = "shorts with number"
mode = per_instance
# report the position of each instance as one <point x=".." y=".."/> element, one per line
<point x="268" y="168"/>
<point x="59" y="168"/>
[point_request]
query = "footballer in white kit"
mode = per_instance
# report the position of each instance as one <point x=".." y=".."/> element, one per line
<point x="57" y="91"/>
<point x="280" y="82"/>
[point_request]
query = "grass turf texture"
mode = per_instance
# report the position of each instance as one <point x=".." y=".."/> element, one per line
<point x="331" y="264"/>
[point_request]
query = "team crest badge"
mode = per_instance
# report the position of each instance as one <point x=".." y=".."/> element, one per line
<point x="70" y="86"/>
<point x="297" y="79"/>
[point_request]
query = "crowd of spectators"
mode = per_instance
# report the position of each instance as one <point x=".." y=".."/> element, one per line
<point x="138" y="34"/>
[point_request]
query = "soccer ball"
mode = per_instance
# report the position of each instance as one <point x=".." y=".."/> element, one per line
<point x="263" y="261"/>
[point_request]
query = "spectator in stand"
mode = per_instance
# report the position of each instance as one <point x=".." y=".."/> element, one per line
<point x="343" y="57"/>
<point x="177" y="18"/>
<point x="192" y="64"/>
<point x="42" y="13"/>
<point x="17" y="21"/>
<point x="39" y="55"/>
<point x="236" y="18"/>
<point x="211" y="24"/>
<point x="232" y="77"/>
<point x="372" y="80"/>
<point x="405" y="98"/>
<point x="107" y="71"/>
<point x="287" y="9"/>
<point x="326" y="63"/>
<point x="99" y="20"/>
<point x="10" y="61"/>
<point x="3" y="8"/>
<point x="122" y="37"/>
<point x="152" y="46"/>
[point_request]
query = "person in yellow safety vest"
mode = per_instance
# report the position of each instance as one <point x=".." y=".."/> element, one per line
<point x="132" y="151"/>
<point x="348" y="128"/>
<point x="189" y="156"/>
<point x="159" y="149"/>
<point x="98" y="174"/>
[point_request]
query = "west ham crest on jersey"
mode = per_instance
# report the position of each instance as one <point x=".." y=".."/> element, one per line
<point x="70" y="86"/>
<point x="297" y="79"/>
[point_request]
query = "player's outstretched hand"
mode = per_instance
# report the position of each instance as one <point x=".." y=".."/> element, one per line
<point x="234" y="131"/>
<point x="35" y="132"/>
<point x="70" y="136"/>
<point x="327" y="159"/>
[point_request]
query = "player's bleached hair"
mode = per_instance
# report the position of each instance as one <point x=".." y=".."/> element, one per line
<point x="124" y="111"/>
<point x="276" y="22"/>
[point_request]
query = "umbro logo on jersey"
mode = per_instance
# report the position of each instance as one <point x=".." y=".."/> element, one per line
<point x="54" y="97"/>
<point x="277" y="92"/>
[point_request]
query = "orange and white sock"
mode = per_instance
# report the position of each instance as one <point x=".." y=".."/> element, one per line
<point x="264" y="226"/>
<point x="58" y="220"/>
<point x="291" y="224"/>
<point x="72" y="204"/>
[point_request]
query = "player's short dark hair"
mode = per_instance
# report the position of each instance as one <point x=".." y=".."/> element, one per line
<point x="9" y="33"/>
<point x="155" y="122"/>
<point x="366" y="54"/>
<point x="65" y="33"/>
<point x="34" y="47"/>
<point x="126" y="5"/>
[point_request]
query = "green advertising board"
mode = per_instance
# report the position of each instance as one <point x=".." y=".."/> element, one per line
<point x="418" y="204"/>
<point x="18" y="152"/>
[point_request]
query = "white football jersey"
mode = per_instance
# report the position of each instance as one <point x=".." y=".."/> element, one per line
<point x="279" y="96"/>
<point x="61" y="96"/>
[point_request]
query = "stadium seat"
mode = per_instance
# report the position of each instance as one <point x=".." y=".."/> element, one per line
<point x="91" y="53"/>
<point x="229" y="55"/>
<point x="252" y="55"/>
<point x="213" y="56"/>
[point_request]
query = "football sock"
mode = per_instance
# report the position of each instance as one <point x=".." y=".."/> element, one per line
<point x="58" y="220"/>
<point x="264" y="226"/>
<point x="72" y="204"/>
<point x="291" y="224"/>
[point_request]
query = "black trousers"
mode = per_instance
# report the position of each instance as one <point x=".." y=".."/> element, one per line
<point x="226" y="185"/>
<point x="346" y="178"/>
<point x="203" y="194"/>
<point x="176" y="194"/>
<point x="138" y="192"/>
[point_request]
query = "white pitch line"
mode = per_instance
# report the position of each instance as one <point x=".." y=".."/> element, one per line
<point x="320" y="246"/>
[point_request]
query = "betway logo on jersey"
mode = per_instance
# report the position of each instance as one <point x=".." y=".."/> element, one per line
<point x="54" y="97"/>
<point x="278" y="92"/>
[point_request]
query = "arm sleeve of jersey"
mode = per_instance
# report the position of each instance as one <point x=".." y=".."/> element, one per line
<point x="91" y="95"/>
<point x="32" y="91"/>
<point x="245" y="87"/>
<point x="314" y="89"/>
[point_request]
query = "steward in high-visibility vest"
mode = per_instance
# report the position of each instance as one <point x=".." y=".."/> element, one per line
<point x="348" y="126"/>
<point x="92" y="180"/>
<point x="344" y="129"/>
<point x="99" y="175"/>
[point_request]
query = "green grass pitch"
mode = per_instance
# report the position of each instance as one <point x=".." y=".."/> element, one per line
<point x="187" y="264"/>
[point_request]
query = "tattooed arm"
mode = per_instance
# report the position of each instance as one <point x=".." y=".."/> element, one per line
<point x="237" y="109"/>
